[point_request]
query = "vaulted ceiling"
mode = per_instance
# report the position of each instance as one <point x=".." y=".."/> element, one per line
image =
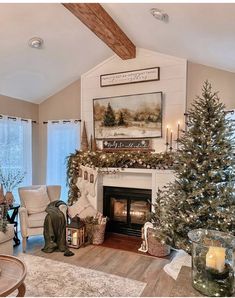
<point x="201" y="33"/>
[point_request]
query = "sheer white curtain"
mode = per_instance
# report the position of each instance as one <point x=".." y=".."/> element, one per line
<point x="16" y="148"/>
<point x="63" y="138"/>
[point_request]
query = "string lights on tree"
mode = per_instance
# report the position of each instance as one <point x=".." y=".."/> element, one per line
<point x="203" y="194"/>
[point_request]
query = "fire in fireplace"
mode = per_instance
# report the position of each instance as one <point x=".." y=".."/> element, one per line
<point x="127" y="209"/>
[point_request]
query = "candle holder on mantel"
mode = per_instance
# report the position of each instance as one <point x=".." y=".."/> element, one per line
<point x="212" y="262"/>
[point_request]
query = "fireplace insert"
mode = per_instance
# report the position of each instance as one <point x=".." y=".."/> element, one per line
<point x="127" y="209"/>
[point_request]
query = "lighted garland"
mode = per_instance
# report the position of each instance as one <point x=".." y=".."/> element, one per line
<point x="121" y="159"/>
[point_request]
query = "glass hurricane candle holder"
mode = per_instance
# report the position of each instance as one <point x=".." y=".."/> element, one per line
<point x="212" y="262"/>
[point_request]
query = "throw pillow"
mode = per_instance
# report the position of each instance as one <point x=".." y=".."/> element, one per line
<point x="36" y="200"/>
<point x="82" y="208"/>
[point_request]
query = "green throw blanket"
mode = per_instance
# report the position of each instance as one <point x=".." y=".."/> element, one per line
<point x="55" y="229"/>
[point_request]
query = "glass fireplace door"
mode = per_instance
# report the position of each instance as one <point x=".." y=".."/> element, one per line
<point x="139" y="211"/>
<point x="119" y="209"/>
<point x="127" y="209"/>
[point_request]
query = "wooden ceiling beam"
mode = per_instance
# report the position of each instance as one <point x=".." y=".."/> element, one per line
<point x="100" y="22"/>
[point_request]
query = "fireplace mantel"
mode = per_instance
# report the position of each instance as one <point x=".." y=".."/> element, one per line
<point x="131" y="178"/>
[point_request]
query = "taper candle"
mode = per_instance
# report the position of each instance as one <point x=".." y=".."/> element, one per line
<point x="171" y="139"/>
<point x="178" y="131"/>
<point x="167" y="135"/>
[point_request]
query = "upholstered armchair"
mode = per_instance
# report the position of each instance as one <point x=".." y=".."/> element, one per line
<point x="34" y="200"/>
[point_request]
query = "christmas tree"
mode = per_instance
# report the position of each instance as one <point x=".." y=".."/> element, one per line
<point x="203" y="194"/>
<point x="109" y="116"/>
<point x="121" y="120"/>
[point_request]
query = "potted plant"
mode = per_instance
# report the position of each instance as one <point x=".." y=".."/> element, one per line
<point x="10" y="179"/>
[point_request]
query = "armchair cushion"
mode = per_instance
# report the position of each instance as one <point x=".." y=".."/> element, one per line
<point x="36" y="200"/>
<point x="36" y="220"/>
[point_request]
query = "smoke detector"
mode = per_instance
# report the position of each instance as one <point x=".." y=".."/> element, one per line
<point x="159" y="14"/>
<point x="36" y="42"/>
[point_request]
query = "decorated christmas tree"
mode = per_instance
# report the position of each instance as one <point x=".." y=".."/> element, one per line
<point x="109" y="116"/>
<point x="203" y="194"/>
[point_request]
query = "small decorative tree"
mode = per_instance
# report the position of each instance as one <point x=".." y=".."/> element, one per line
<point x="84" y="140"/>
<point x="109" y="116"/>
<point x="203" y="194"/>
<point x="121" y="120"/>
<point x="159" y="216"/>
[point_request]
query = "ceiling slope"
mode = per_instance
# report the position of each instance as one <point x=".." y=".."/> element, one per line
<point x="201" y="33"/>
<point x="32" y="74"/>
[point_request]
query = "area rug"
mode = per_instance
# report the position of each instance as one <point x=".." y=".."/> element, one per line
<point x="46" y="277"/>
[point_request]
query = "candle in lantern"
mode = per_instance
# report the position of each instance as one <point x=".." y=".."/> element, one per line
<point x="215" y="258"/>
<point x="167" y="134"/>
<point x="75" y="238"/>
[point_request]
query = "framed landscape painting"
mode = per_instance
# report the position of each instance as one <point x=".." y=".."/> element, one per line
<point x="130" y="116"/>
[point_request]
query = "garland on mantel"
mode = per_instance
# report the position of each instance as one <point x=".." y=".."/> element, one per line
<point x="121" y="159"/>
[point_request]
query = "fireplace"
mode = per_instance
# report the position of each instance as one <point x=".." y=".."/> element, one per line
<point x="126" y="208"/>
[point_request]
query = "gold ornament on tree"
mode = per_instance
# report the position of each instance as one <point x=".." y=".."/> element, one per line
<point x="84" y="142"/>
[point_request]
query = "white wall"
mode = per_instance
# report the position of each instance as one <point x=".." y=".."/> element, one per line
<point x="173" y="72"/>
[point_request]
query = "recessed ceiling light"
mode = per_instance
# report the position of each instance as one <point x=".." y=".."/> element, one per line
<point x="36" y="42"/>
<point x="159" y="14"/>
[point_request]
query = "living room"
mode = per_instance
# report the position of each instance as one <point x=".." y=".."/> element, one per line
<point x="117" y="152"/>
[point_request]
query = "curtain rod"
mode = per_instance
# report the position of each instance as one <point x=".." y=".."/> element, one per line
<point x="63" y="121"/>
<point x="14" y="119"/>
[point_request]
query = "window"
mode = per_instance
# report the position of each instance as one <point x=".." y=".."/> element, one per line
<point x="16" y="148"/>
<point x="63" y="138"/>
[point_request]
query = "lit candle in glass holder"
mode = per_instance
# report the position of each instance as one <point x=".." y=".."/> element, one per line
<point x="75" y="238"/>
<point x="215" y="258"/>
<point x="212" y="266"/>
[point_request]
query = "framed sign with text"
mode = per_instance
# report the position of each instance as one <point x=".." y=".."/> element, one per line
<point x="126" y="145"/>
<point x="130" y="77"/>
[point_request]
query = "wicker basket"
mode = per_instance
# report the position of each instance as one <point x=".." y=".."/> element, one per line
<point x="98" y="234"/>
<point x="155" y="247"/>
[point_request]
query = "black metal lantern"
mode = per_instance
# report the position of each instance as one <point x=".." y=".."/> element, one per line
<point x="75" y="233"/>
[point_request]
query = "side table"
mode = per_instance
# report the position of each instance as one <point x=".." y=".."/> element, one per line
<point x="13" y="272"/>
<point x="183" y="285"/>
<point x="12" y="217"/>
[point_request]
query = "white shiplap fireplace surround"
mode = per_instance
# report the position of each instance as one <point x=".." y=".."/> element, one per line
<point x="172" y="84"/>
<point x="131" y="178"/>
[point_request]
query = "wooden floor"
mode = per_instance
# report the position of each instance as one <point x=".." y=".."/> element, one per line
<point x="114" y="261"/>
